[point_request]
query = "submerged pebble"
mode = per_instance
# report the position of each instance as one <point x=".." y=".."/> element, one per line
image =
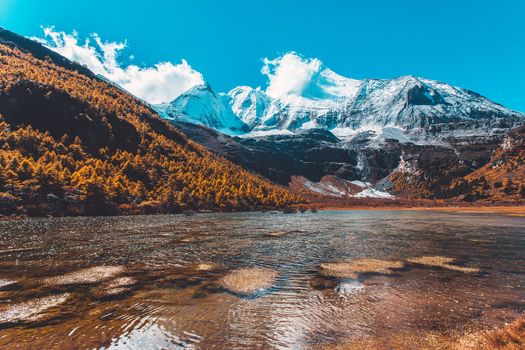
<point x="85" y="276"/>
<point x="443" y="262"/>
<point x="114" y="287"/>
<point x="352" y="268"/>
<point x="298" y="231"/>
<point x="194" y="239"/>
<point x="4" y="282"/>
<point x="349" y="288"/>
<point x="31" y="310"/>
<point x="249" y="281"/>
<point x="276" y="233"/>
<point x="205" y="267"/>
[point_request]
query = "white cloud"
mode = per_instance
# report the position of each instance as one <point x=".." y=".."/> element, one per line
<point x="161" y="83"/>
<point x="289" y="74"/>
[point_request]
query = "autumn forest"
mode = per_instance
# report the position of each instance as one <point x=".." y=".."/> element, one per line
<point x="73" y="144"/>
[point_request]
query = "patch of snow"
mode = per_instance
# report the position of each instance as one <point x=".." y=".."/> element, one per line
<point x="393" y="134"/>
<point x="373" y="193"/>
<point x="312" y="187"/>
<point x="329" y="189"/>
<point x="334" y="189"/>
<point x="309" y="125"/>
<point x="248" y="104"/>
<point x="344" y="133"/>
<point x="360" y="183"/>
<point x="161" y="109"/>
<point x="507" y="143"/>
<point x="379" y="133"/>
<point x="360" y="162"/>
<point x="262" y="133"/>
<point x="433" y="142"/>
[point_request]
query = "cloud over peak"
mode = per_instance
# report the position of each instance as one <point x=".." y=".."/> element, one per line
<point x="162" y="82"/>
<point x="289" y="74"/>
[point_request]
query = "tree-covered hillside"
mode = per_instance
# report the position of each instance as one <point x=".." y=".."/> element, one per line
<point x="74" y="144"/>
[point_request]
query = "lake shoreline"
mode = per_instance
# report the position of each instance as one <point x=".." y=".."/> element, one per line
<point x="510" y="209"/>
<point x="518" y="210"/>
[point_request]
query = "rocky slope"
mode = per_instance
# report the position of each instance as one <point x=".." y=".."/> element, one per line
<point x="405" y="169"/>
<point x="311" y="153"/>
<point x="503" y="177"/>
<point x="490" y="172"/>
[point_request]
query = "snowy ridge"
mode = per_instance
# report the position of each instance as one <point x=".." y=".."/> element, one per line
<point x="391" y="108"/>
<point x="201" y="105"/>
<point x="248" y="104"/>
<point x="405" y="103"/>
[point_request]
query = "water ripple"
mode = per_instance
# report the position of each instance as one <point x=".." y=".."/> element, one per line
<point x="168" y="302"/>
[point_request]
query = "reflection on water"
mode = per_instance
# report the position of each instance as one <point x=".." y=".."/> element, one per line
<point x="154" y="282"/>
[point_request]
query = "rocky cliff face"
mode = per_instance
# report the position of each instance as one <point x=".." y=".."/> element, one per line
<point x="404" y="169"/>
<point x="503" y="177"/>
<point x="312" y="153"/>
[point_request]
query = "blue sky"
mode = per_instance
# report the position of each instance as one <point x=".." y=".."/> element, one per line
<point x="476" y="44"/>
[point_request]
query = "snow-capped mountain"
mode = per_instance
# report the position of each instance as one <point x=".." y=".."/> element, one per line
<point x="342" y="105"/>
<point x="202" y="105"/>
<point x="249" y="104"/>
<point x="408" y="135"/>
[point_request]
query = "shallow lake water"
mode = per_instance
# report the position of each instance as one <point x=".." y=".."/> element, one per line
<point x="154" y="282"/>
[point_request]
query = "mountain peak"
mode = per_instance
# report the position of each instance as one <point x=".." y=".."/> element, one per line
<point x="304" y="93"/>
<point x="202" y="105"/>
<point x="199" y="89"/>
<point x="249" y="104"/>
